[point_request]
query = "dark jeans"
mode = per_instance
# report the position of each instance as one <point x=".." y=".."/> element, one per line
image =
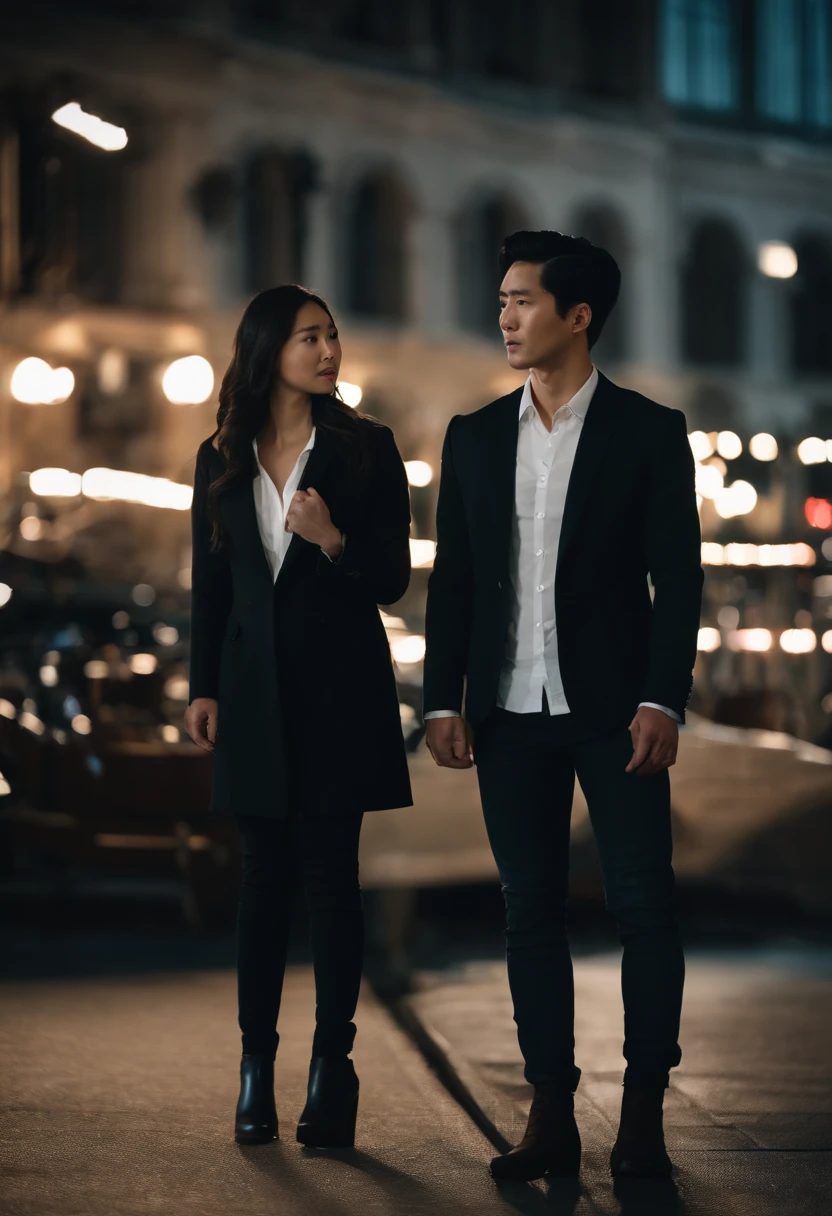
<point x="321" y="854"/>
<point x="526" y="766"/>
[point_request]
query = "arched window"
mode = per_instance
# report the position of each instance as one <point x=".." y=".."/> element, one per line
<point x="375" y="267"/>
<point x="276" y="186"/>
<point x="71" y="209"/>
<point x="481" y="229"/>
<point x="812" y="291"/>
<point x="698" y="53"/>
<point x="714" y="296"/>
<point x="604" y="226"/>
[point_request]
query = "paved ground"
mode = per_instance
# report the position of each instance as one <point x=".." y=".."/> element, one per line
<point x="118" y="1099"/>
<point x="749" y="1112"/>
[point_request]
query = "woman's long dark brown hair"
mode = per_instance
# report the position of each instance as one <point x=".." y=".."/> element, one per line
<point x="264" y="330"/>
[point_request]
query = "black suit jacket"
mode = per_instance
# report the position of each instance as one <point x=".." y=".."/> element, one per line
<point x="630" y="509"/>
<point x="301" y="667"/>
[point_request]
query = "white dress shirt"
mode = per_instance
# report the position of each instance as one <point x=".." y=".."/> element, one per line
<point x="530" y="667"/>
<point x="271" y="507"/>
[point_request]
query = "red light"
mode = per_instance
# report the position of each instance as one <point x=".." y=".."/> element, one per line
<point x="818" y="513"/>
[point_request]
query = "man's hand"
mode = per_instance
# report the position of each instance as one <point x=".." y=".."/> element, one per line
<point x="201" y="722"/>
<point x="655" y="739"/>
<point x="451" y="742"/>
<point x="308" y="516"/>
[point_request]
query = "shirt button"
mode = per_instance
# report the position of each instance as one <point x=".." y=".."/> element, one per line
<point x="543" y="479"/>
<point x="540" y="587"/>
<point x="540" y="515"/>
<point x="538" y="552"/>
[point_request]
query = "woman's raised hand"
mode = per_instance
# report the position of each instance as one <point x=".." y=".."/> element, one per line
<point x="309" y="517"/>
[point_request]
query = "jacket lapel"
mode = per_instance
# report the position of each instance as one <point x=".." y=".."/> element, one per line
<point x="316" y="465"/>
<point x="603" y="416"/>
<point x="240" y="517"/>
<point x="503" y="474"/>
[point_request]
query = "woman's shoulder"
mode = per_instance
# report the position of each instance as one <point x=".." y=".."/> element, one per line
<point x="374" y="431"/>
<point x="209" y="447"/>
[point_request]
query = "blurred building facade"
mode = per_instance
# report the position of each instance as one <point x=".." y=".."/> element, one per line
<point x="378" y="153"/>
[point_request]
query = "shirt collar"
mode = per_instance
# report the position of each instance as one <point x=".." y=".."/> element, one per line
<point x="308" y="447"/>
<point x="579" y="404"/>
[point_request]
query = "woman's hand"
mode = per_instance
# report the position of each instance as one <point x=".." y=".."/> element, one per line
<point x="201" y="722"/>
<point x="308" y="516"/>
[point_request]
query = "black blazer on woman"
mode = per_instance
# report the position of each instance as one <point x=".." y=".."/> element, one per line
<point x="630" y="509"/>
<point x="303" y="664"/>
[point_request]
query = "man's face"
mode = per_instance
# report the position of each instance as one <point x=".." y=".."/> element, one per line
<point x="533" y="332"/>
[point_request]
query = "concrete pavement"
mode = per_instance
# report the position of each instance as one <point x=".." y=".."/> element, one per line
<point x="748" y="1113"/>
<point x="119" y="1094"/>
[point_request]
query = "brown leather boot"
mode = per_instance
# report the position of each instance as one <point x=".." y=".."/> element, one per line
<point x="551" y="1145"/>
<point x="639" y="1150"/>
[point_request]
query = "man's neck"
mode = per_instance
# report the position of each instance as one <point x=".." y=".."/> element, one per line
<point x="552" y="387"/>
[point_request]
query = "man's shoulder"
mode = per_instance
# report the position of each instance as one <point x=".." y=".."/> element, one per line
<point x="641" y="405"/>
<point x="485" y="414"/>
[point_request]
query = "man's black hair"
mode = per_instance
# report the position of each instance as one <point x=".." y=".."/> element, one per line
<point x="572" y="269"/>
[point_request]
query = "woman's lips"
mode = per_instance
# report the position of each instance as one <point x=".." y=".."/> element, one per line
<point x="330" y="375"/>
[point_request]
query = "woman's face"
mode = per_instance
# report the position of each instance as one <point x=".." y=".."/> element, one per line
<point x="311" y="359"/>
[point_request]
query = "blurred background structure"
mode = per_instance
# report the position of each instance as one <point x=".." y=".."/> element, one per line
<point x="161" y="162"/>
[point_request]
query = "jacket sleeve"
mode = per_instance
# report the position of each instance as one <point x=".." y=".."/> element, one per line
<point x="449" y="611"/>
<point x="673" y="540"/>
<point x="211" y="593"/>
<point x="378" y="554"/>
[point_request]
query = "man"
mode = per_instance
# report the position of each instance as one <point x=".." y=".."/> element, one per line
<point x="555" y="503"/>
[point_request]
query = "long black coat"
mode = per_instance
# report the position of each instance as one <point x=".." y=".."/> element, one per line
<point x="630" y="509"/>
<point x="313" y="638"/>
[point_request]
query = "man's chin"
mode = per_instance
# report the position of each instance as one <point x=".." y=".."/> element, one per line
<point x="518" y="360"/>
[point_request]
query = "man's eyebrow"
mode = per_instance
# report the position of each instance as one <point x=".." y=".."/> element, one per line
<point x="523" y="291"/>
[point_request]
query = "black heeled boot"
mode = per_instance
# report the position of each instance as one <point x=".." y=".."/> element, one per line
<point x="639" y="1150"/>
<point x="328" y="1119"/>
<point x="256" y="1118"/>
<point x="552" y="1143"/>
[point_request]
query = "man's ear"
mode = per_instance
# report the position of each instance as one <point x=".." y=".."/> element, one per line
<point x="582" y="318"/>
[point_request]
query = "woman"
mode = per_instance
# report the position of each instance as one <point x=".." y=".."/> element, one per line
<point x="301" y="520"/>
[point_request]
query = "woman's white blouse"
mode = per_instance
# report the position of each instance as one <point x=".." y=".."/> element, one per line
<point x="271" y="508"/>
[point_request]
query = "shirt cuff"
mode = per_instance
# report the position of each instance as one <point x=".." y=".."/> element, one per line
<point x="670" y="712"/>
<point x="442" y="713"/>
<point x="336" y="560"/>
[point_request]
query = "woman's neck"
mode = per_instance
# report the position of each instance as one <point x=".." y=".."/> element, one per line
<point x="290" y="417"/>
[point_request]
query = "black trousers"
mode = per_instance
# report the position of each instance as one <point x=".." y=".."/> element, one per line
<point x="314" y="848"/>
<point x="320" y="854"/>
<point x="526" y="766"/>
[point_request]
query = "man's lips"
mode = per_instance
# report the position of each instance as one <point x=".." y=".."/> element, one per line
<point x="512" y="345"/>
